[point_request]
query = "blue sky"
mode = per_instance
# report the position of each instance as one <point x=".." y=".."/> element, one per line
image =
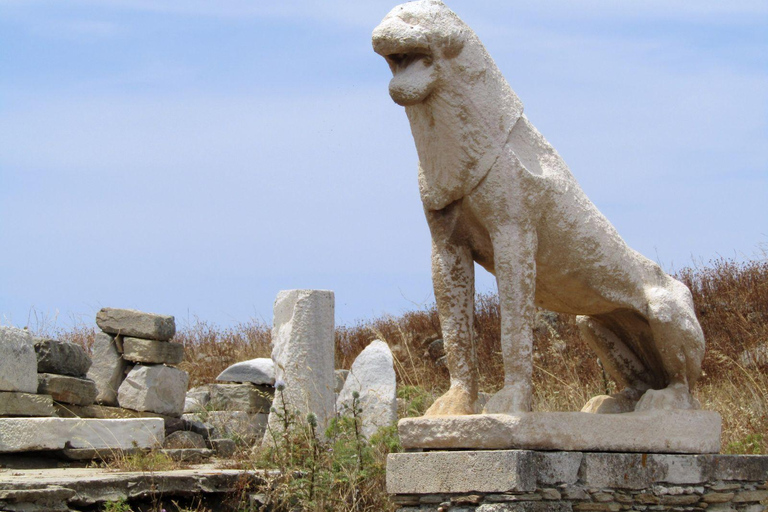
<point x="195" y="157"/>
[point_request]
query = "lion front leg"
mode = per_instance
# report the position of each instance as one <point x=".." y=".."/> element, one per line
<point x="515" y="267"/>
<point x="453" y="277"/>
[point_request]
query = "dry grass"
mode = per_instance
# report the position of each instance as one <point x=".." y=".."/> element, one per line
<point x="731" y="302"/>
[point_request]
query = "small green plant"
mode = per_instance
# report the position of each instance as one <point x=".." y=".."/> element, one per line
<point x="416" y="400"/>
<point x="117" y="506"/>
<point x="340" y="471"/>
<point x="750" y="445"/>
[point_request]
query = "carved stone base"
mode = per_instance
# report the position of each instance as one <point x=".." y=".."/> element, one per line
<point x="678" y="431"/>
<point x="530" y="481"/>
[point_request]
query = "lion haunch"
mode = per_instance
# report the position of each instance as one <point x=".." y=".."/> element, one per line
<point x="495" y="192"/>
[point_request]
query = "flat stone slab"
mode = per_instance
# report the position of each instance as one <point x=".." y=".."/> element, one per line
<point x="30" y="434"/>
<point x="86" y="487"/>
<point x="152" y="351"/>
<point x="130" y="322"/>
<point x="70" y="390"/>
<point x="25" y="404"/>
<point x="661" y="431"/>
<point x="517" y="471"/>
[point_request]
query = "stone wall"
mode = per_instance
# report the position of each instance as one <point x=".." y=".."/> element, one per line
<point x="528" y="481"/>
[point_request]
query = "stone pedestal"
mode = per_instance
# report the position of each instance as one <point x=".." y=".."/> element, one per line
<point x="657" y="431"/>
<point x="525" y="480"/>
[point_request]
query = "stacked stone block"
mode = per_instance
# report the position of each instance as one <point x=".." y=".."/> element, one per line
<point x="18" y="376"/>
<point x="134" y="362"/>
<point x="232" y="409"/>
<point x="62" y="372"/>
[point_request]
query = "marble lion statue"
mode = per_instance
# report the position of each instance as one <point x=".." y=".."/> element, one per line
<point x="496" y="192"/>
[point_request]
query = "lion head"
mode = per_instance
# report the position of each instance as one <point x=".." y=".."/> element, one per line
<point x="441" y="72"/>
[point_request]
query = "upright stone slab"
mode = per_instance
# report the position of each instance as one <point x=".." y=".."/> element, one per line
<point x="61" y="358"/>
<point x="372" y="376"/>
<point x="18" y="364"/>
<point x="108" y="368"/>
<point x="130" y="322"/>
<point x="303" y="352"/>
<point x="159" y="389"/>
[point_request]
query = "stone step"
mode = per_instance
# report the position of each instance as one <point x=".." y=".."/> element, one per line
<point x="31" y="434"/>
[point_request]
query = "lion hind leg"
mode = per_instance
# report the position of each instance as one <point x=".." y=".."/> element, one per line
<point x="679" y="341"/>
<point x="620" y="362"/>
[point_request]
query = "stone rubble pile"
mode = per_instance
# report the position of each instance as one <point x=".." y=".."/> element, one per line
<point x="43" y="387"/>
<point x="134" y="362"/>
<point x="236" y="407"/>
<point x="37" y="374"/>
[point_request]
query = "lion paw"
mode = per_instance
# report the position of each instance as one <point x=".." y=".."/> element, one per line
<point x="609" y="404"/>
<point x="455" y="402"/>
<point x="511" y="399"/>
<point x="673" y="397"/>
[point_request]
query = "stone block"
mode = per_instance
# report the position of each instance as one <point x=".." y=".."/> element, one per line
<point x="62" y="358"/>
<point x="224" y="447"/>
<point x="70" y="390"/>
<point x="29" y="434"/>
<point x="740" y="467"/>
<point x="18" y="364"/>
<point x="129" y="322"/>
<point x="188" y="455"/>
<point x="195" y="423"/>
<point x="260" y="371"/>
<point x="303" y="352"/>
<point x="641" y="471"/>
<point x="526" y="506"/>
<point x="25" y="404"/>
<point x="184" y="439"/>
<point x="197" y="399"/>
<point x="238" y="425"/>
<point x="653" y="431"/>
<point x="372" y="377"/>
<point x="461" y="472"/>
<point x="240" y="397"/>
<point x="557" y="468"/>
<point x="159" y="389"/>
<point x="108" y="368"/>
<point x="152" y="351"/>
<point x="340" y="377"/>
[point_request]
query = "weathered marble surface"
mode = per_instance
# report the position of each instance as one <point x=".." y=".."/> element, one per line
<point x="129" y="322"/>
<point x="657" y="431"/>
<point x="372" y="377"/>
<point x="27" y="434"/>
<point x="303" y="352"/>
<point x="18" y="364"/>
<point x="497" y="193"/>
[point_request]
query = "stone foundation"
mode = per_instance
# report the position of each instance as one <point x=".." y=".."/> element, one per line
<point x="536" y="481"/>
